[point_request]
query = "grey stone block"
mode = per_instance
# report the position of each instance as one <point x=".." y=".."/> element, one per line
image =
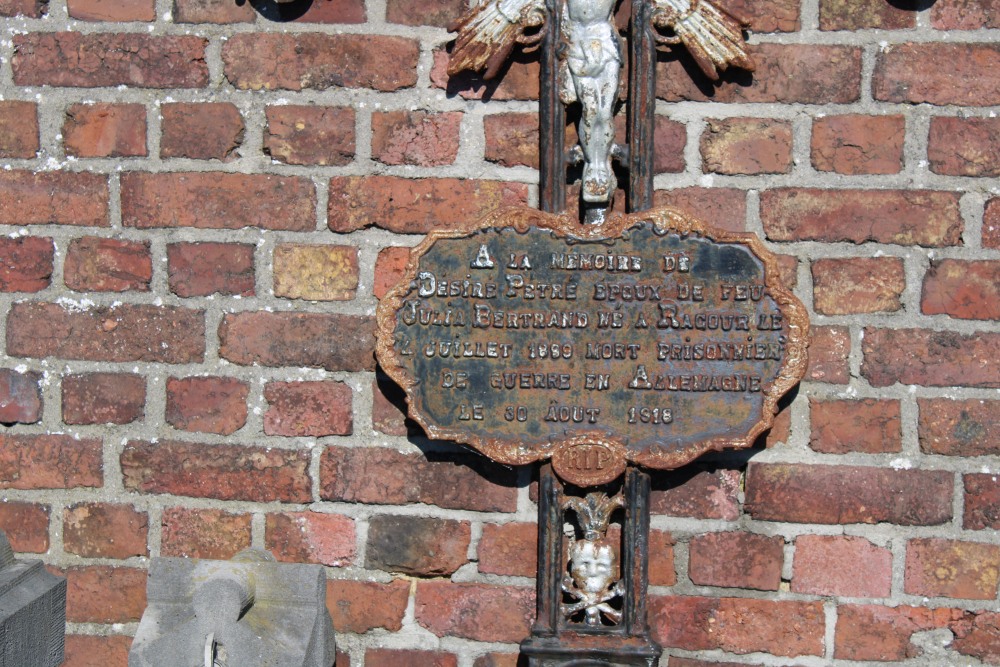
<point x="32" y="612"/>
<point x="247" y="612"/>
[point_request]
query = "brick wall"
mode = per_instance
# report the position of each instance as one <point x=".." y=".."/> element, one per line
<point x="200" y="206"/>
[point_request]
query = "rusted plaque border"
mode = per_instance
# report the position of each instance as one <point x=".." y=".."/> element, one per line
<point x="665" y="220"/>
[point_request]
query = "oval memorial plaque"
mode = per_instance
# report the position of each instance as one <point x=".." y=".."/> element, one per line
<point x="651" y="338"/>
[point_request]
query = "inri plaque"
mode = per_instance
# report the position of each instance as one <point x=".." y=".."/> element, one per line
<point x="650" y="338"/>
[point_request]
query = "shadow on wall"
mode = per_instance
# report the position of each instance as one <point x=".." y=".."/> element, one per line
<point x="912" y="5"/>
<point x="279" y="10"/>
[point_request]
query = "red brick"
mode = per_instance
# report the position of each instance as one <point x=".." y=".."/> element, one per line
<point x="223" y="472"/>
<point x="103" y="398"/>
<point x="389" y="267"/>
<point x="54" y="198"/>
<point x="963" y="290"/>
<point x="49" y="462"/>
<point x="207" y="404"/>
<point x="747" y="146"/>
<point x="959" y="428"/>
<point x="873" y="632"/>
<point x="437" y="13"/>
<point x="855" y="15"/>
<point x="20" y="397"/>
<point x="494" y="659"/>
<point x="857" y="144"/>
<point x="912" y="73"/>
<point x="18" y="129"/>
<point x="203" y="533"/>
<point x="25" y="263"/>
<point x="697" y="493"/>
<point x="964" y="146"/>
<point x="310" y="135"/>
<point x="947" y="358"/>
<point x="724" y="208"/>
<point x="386" y="657"/>
<point x="96" y="264"/>
<point x="408" y="206"/>
<point x="101" y="530"/>
<point x="112" y="10"/>
<point x="420" y="138"/>
<point x="299" y="339"/>
<point x="738" y="625"/>
<point x="906" y="217"/>
<point x="360" y="606"/>
<point x="750" y="560"/>
<point x="951" y="568"/>
<point x="858" y="285"/>
<point x="518" y="81"/>
<point x="105" y="130"/>
<point x="509" y="549"/>
<point x="661" y="559"/>
<point x="451" y="481"/>
<point x="212" y="11"/>
<point x="829" y="349"/>
<point x="311" y="537"/>
<point x="480" y="612"/>
<point x="109" y="59"/>
<point x="30" y="8"/>
<point x="388" y="407"/>
<point x="991" y="224"/>
<point x="328" y="11"/>
<point x="868" y="425"/>
<point x="127" y="333"/>
<point x="688" y="662"/>
<point x="308" y="409"/>
<point x="316" y="272"/>
<point x="96" y="651"/>
<point x="512" y="139"/>
<point x="26" y="526"/>
<point x="218" y="201"/>
<point x="417" y="546"/>
<point x="965" y="14"/>
<point x="104" y="594"/>
<point x="767" y="15"/>
<point x="979" y="636"/>
<point x="841" y="565"/>
<point x="201" y="131"/>
<point x="791" y="73"/>
<point x="314" y="61"/>
<point x="982" y="502"/>
<point x="201" y="269"/>
<point x="843" y="494"/>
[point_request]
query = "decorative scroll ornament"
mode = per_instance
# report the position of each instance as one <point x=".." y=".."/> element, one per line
<point x="593" y="567"/>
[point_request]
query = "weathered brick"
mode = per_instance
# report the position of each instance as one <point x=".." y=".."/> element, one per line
<point x="661" y="559"/>
<point x="947" y="358"/>
<point x="480" y="612"/>
<point x="961" y="289"/>
<point x="102" y="530"/>
<point x="858" y="285"/>
<point x="103" y="398"/>
<point x="855" y="15"/>
<point x="389" y="267"/>
<point x="201" y="131"/>
<point x="952" y="568"/>
<point x="95" y="264"/>
<point x="212" y="11"/>
<point x="360" y="606"/>
<point x="868" y="425"/>
<point x="747" y="146"/>
<point x="418" y="546"/>
<point x="912" y="73"/>
<point x="30" y="8"/>
<point x="512" y="139"/>
<point x="201" y="269"/>
<point x="738" y="625"/>
<point x="790" y="73"/>
<point x="218" y="201"/>
<point x="329" y="11"/>
<point x="54" y="198"/>
<point x="315" y="409"/>
<point x="982" y="502"/>
<point x="991" y="224"/>
<point x="691" y="662"/>
<point x="26" y="526"/>
<point x="388" y="407"/>
<point x="843" y="494"/>
<point x="20" y="397"/>
<point x="496" y="659"/>
<point x="50" y="462"/>
<point x="105" y="130"/>
<point x="203" y="533"/>
<point x="965" y="14"/>
<point x="518" y="81"/>
<point x="856" y="144"/>
<point x="437" y="13"/>
<point x="959" y="428"/>
<point x="311" y="537"/>
<point x="18" y="128"/>
<point x="207" y="404"/>
<point x="751" y="560"/>
<point x="112" y="10"/>
<point x="316" y="272"/>
<point x="25" y="263"/>
<point x="452" y="481"/>
<point x="873" y="632"/>
<point x="829" y="349"/>
<point x="841" y="565"/>
<point x="299" y="339"/>
<point x="387" y="657"/>
<point x="979" y="636"/>
<point x="408" y="206"/>
<point x="697" y="493"/>
<point x="125" y="333"/>
<point x="964" y="146"/>
<point x="104" y="594"/>
<point x="905" y="217"/>
<point x="725" y="208"/>
<point x="420" y="138"/>
<point x="96" y="651"/>
<point x="509" y="549"/>
<point x="304" y="61"/>
<point x="109" y="59"/>
<point x="768" y="15"/>
<point x="310" y="135"/>
<point x="224" y="472"/>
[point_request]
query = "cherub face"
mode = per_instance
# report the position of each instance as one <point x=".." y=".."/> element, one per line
<point x="593" y="566"/>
